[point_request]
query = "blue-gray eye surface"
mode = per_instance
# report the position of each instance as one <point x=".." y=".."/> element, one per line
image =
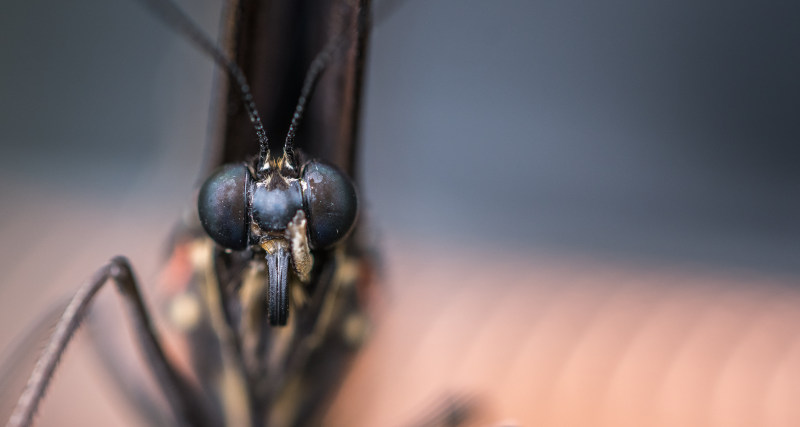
<point x="274" y="208"/>
<point x="331" y="204"/>
<point x="222" y="206"/>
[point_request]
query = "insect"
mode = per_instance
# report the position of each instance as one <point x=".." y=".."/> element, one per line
<point x="282" y="224"/>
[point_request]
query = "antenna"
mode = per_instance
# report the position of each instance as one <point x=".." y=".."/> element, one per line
<point x="313" y="74"/>
<point x="176" y="19"/>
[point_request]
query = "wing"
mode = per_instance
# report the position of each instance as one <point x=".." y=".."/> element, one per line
<point x="274" y="42"/>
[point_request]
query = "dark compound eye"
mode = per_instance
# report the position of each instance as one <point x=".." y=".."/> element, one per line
<point x="222" y="206"/>
<point x="274" y="206"/>
<point x="331" y="203"/>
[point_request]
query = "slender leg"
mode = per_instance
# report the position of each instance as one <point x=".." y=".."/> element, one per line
<point x="451" y="411"/>
<point x="18" y="362"/>
<point x="184" y="401"/>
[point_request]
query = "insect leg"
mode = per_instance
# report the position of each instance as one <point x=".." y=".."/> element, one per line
<point x="19" y="361"/>
<point x="181" y="397"/>
<point x="451" y="411"/>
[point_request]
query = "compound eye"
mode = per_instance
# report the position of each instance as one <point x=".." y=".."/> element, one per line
<point x="274" y="207"/>
<point x="222" y="206"/>
<point x="331" y="203"/>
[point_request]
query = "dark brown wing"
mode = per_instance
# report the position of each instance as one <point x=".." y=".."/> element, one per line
<point x="274" y="42"/>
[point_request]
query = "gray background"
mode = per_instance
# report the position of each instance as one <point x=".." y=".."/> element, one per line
<point x="658" y="131"/>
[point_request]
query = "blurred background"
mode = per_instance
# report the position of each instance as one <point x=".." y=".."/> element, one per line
<point x="588" y="213"/>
